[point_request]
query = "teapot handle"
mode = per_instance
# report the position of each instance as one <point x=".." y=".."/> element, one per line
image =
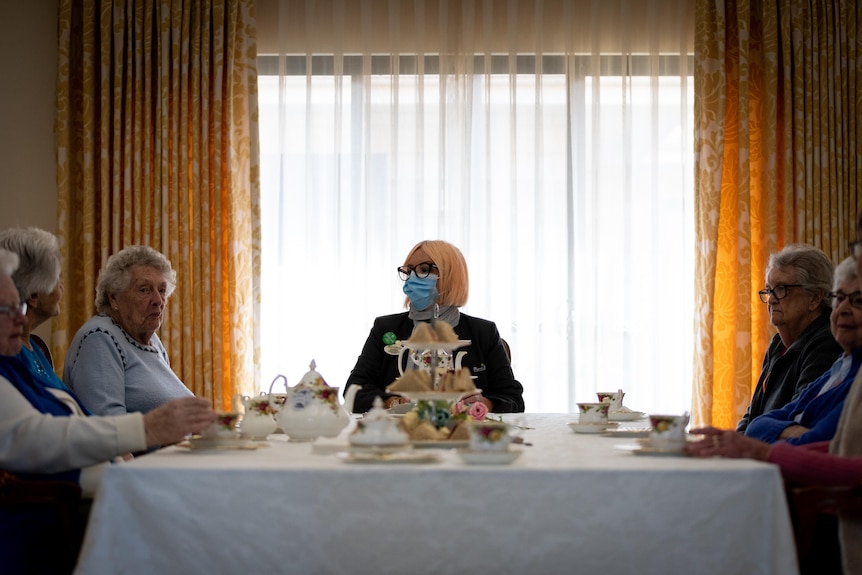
<point x="277" y="377"/>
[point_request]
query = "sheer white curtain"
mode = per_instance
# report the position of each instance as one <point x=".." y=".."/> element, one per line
<point x="551" y="141"/>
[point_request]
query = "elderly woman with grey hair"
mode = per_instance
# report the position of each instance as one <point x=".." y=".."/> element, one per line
<point x="116" y="362"/>
<point x="40" y="288"/>
<point x="798" y="281"/>
<point x="45" y="433"/>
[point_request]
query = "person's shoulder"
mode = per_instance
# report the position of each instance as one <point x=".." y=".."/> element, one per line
<point x="478" y="322"/>
<point x="96" y="323"/>
<point x="390" y="320"/>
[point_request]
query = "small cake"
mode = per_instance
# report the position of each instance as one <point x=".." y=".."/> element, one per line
<point x="423" y="333"/>
<point x="458" y="380"/>
<point x="445" y="332"/>
<point x="412" y="380"/>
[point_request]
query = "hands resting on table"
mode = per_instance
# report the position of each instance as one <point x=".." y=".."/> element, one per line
<point x="171" y="422"/>
<point x="727" y="443"/>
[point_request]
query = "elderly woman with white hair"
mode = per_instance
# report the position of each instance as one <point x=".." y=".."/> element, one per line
<point x="44" y="432"/>
<point x="40" y="287"/>
<point x="116" y="363"/>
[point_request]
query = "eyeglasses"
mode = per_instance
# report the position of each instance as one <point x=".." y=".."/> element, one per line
<point x="855" y="249"/>
<point x="422" y="270"/>
<point x="780" y="292"/>
<point x="838" y="298"/>
<point x="13" y="310"/>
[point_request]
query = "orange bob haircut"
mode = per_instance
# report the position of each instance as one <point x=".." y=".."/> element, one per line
<point x="453" y="282"/>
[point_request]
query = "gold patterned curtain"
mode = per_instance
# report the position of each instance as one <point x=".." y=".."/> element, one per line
<point x="157" y="144"/>
<point x="778" y="95"/>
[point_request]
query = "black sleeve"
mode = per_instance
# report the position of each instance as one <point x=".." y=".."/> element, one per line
<point x="374" y="370"/>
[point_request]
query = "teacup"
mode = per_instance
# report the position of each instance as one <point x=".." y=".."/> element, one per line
<point x="224" y="426"/>
<point x="489" y="436"/>
<point x="668" y="430"/>
<point x="615" y="398"/>
<point x="593" y="413"/>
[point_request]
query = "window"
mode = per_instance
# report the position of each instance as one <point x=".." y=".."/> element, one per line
<point x="565" y="180"/>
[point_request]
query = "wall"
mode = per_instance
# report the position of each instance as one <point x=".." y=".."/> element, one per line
<point x="28" y="58"/>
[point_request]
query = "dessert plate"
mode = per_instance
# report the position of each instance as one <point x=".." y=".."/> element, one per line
<point x="397" y="457"/>
<point x="445" y="444"/>
<point x="625" y="415"/>
<point x="438" y="345"/>
<point x="488" y="457"/>
<point x="415" y="396"/>
<point x="591" y="427"/>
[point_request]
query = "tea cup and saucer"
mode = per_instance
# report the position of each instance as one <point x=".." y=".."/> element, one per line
<point x="490" y="444"/>
<point x="593" y="418"/>
<point x="667" y="434"/>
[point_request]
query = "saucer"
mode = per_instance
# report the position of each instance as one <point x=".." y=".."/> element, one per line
<point x="641" y="432"/>
<point x="625" y="415"/>
<point x="216" y="444"/>
<point x="392" y="448"/>
<point x="591" y="427"/>
<point x="248" y="437"/>
<point x="396" y="457"/>
<point x="472" y="457"/>
<point x="652" y="451"/>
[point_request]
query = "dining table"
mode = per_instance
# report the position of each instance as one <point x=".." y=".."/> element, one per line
<point x="568" y="503"/>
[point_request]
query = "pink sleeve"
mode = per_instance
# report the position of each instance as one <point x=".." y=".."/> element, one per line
<point x="814" y="464"/>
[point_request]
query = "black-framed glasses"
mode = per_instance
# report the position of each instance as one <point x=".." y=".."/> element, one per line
<point x="855" y="249"/>
<point x="779" y="292"/>
<point x="422" y="270"/>
<point x="13" y="310"/>
<point x="839" y="297"/>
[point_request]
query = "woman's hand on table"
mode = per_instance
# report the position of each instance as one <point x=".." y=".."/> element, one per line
<point x="394" y="400"/>
<point x="474" y="397"/>
<point x="171" y="422"/>
<point x="727" y="443"/>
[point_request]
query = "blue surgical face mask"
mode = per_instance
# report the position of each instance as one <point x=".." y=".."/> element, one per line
<point x="421" y="291"/>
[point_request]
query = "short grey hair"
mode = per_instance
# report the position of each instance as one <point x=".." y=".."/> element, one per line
<point x="814" y="269"/>
<point x="38" y="254"/>
<point x="115" y="276"/>
<point x="8" y="262"/>
<point x="846" y="270"/>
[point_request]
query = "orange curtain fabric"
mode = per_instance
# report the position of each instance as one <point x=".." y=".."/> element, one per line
<point x="777" y="103"/>
<point x="157" y="144"/>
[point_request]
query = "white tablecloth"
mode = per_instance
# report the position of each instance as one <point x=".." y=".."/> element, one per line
<point x="570" y="504"/>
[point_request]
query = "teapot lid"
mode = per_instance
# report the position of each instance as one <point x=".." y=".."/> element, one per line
<point x="377" y="412"/>
<point x="312" y="378"/>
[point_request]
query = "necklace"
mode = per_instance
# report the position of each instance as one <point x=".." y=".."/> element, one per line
<point x="38" y="365"/>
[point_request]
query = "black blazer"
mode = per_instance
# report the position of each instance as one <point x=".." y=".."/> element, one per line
<point x="487" y="360"/>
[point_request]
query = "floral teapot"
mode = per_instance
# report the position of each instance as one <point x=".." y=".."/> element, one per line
<point x="311" y="409"/>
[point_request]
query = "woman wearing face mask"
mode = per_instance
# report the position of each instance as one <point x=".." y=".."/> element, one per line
<point x="435" y="272"/>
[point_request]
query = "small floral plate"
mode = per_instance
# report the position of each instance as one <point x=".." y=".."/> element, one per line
<point x="591" y="427"/>
<point x="472" y="457"/>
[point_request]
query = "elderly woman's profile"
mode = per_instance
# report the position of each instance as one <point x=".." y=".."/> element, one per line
<point x="116" y="362"/>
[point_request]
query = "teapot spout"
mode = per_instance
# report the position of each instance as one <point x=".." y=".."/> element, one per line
<point x="349" y="396"/>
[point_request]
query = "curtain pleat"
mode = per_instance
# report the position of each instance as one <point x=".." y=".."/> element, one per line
<point x="777" y="163"/>
<point x="158" y="145"/>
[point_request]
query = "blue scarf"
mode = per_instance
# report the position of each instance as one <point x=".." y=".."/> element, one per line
<point x="42" y="400"/>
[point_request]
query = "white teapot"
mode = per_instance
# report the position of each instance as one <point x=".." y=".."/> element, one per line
<point x="311" y="409"/>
